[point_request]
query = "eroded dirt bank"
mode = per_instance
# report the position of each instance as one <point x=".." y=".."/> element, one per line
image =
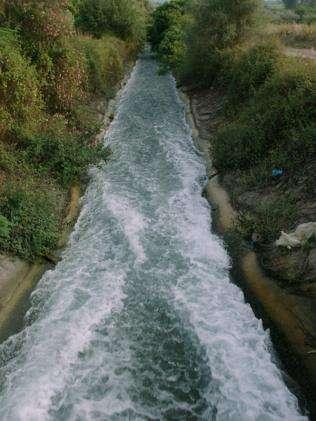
<point x="289" y="312"/>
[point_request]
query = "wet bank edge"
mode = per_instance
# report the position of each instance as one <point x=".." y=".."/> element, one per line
<point x="19" y="278"/>
<point x="274" y="306"/>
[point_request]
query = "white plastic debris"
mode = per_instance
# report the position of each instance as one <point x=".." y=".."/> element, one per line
<point x="300" y="236"/>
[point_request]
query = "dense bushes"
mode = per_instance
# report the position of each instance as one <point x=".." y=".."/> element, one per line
<point x="30" y="217"/>
<point x="266" y="135"/>
<point x="276" y="122"/>
<point x="251" y="70"/>
<point x="50" y="77"/>
<point x="165" y="17"/>
<point x="66" y="79"/>
<point x="5" y="227"/>
<point x="270" y="100"/>
<point x="46" y="35"/>
<point x="194" y="38"/>
<point x="238" y="146"/>
<point x="285" y="102"/>
<point x="20" y="99"/>
<point x="123" y="18"/>
<point x="105" y="62"/>
<point x="39" y="21"/>
<point x="268" y="219"/>
<point x="58" y="152"/>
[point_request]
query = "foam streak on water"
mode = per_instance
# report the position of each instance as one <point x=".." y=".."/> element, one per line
<point x="139" y="320"/>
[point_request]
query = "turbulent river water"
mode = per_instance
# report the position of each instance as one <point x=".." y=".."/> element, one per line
<point x="140" y="320"/>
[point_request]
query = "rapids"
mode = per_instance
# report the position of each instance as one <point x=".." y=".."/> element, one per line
<point x="140" y="320"/>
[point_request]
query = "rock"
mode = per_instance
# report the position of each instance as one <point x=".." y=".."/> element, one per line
<point x="302" y="234"/>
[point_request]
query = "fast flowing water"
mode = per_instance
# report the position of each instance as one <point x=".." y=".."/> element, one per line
<point x="140" y="321"/>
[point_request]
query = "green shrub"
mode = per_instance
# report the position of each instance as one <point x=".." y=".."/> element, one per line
<point x="299" y="148"/>
<point x="105" y="63"/>
<point x="286" y="102"/>
<point x="5" y="227"/>
<point x="66" y="78"/>
<point x="268" y="219"/>
<point x="288" y="16"/>
<point x="165" y="17"/>
<point x="217" y="27"/>
<point x="290" y="4"/>
<point x="46" y="33"/>
<point x="6" y="122"/>
<point x="123" y="18"/>
<point x="84" y="121"/>
<point x="20" y="99"/>
<point x="172" y="49"/>
<point x="10" y="160"/>
<point x="40" y="23"/>
<point x="61" y="153"/>
<point x="238" y="146"/>
<point x="252" y="70"/>
<point x="235" y="243"/>
<point x="275" y="126"/>
<point x="32" y="220"/>
<point x="306" y="13"/>
<point x="258" y="176"/>
<point x="296" y="35"/>
<point x="196" y="39"/>
<point x="50" y="78"/>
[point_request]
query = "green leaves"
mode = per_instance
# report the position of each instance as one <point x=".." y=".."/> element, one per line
<point x="123" y="18"/>
<point x="193" y="37"/>
<point x="33" y="227"/>
<point x="20" y="98"/>
<point x="51" y="81"/>
<point x="5" y="227"/>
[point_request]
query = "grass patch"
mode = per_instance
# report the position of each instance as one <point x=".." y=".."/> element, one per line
<point x="29" y="220"/>
<point x="295" y="34"/>
<point x="268" y="219"/>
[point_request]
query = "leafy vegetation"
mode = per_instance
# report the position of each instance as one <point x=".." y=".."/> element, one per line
<point x="250" y="71"/>
<point x="275" y="123"/>
<point x="105" y="63"/>
<point x="267" y="123"/>
<point x="194" y="38"/>
<point x="268" y="219"/>
<point x="32" y="220"/>
<point x="51" y="75"/>
<point x="123" y="18"/>
<point x="20" y="99"/>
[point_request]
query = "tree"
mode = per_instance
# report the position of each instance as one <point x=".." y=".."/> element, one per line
<point x="124" y="18"/>
<point x="164" y="18"/>
<point x="218" y="25"/>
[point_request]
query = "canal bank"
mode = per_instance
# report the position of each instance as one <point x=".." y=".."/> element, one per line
<point x="291" y="318"/>
<point x="18" y="278"/>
